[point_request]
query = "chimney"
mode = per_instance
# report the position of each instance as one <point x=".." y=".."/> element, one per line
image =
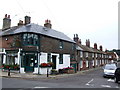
<point x="76" y="38"/>
<point x="27" y="20"/>
<point x="88" y="43"/>
<point x="20" y="23"/>
<point x="101" y="48"/>
<point x="48" y="24"/>
<point x="79" y="41"/>
<point x="6" y="22"/>
<point x="95" y="45"/>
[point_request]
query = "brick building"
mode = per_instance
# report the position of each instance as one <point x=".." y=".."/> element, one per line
<point x="29" y="44"/>
<point x="89" y="57"/>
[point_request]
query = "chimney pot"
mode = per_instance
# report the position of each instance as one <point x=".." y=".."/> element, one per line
<point x="48" y="24"/>
<point x="8" y="16"/>
<point x="101" y="48"/>
<point x="95" y="45"/>
<point x="5" y="15"/>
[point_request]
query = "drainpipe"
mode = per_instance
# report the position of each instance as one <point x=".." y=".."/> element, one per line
<point x="4" y="56"/>
<point x="38" y="62"/>
<point x="19" y="59"/>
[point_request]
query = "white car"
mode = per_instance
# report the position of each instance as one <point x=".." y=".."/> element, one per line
<point x="109" y="70"/>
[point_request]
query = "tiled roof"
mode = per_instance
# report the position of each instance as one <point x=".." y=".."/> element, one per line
<point x="38" y="29"/>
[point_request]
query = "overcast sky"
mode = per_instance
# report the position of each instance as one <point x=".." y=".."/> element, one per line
<point x="96" y="20"/>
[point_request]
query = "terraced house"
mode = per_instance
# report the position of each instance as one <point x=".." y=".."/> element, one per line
<point x="29" y="45"/>
<point x="89" y="57"/>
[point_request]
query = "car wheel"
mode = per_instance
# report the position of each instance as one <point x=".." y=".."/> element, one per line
<point x="116" y="81"/>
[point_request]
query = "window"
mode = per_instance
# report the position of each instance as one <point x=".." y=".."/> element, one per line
<point x="86" y="54"/>
<point x="30" y="39"/>
<point x="61" y="45"/>
<point x="49" y="57"/>
<point x="81" y="54"/>
<point x="92" y="54"/>
<point x="61" y="59"/>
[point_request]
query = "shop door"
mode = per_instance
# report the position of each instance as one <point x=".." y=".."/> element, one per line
<point x="29" y="63"/>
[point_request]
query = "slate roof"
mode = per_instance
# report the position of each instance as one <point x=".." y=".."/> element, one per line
<point x="38" y="29"/>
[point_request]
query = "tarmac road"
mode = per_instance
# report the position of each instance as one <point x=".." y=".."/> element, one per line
<point x="90" y="79"/>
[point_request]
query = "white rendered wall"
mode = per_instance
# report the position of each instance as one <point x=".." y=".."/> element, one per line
<point x="43" y="57"/>
<point x="81" y="64"/>
<point x="35" y="70"/>
<point x="66" y="62"/>
<point x="22" y="70"/>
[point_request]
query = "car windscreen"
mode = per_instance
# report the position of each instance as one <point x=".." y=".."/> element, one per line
<point x="109" y="67"/>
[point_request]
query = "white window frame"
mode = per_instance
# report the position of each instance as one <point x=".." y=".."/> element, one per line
<point x="92" y="54"/>
<point x="81" y="54"/>
<point x="86" y="54"/>
<point x="81" y="64"/>
<point x="86" y="63"/>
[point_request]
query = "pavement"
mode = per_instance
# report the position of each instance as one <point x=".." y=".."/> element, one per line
<point x="16" y="74"/>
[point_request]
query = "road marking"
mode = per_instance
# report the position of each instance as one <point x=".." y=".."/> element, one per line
<point x="41" y="87"/>
<point x="90" y="82"/>
<point x="111" y="80"/>
<point x="106" y="86"/>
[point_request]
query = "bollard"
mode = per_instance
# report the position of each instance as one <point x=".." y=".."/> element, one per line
<point x="9" y="71"/>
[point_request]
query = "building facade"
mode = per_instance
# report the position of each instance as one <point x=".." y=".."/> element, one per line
<point x="29" y="45"/>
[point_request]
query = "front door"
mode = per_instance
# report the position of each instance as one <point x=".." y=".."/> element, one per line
<point x="54" y="61"/>
<point x="29" y="62"/>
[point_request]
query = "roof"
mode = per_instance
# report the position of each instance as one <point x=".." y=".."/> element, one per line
<point x="38" y="29"/>
<point x="79" y="48"/>
<point x="90" y="49"/>
<point x="85" y="48"/>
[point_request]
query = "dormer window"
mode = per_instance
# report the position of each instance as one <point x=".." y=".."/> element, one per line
<point x="61" y="45"/>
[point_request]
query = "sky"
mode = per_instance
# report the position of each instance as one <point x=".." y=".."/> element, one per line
<point x="96" y="20"/>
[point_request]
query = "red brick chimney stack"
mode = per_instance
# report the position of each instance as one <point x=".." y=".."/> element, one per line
<point x="76" y="38"/>
<point x="88" y="43"/>
<point x="95" y="45"/>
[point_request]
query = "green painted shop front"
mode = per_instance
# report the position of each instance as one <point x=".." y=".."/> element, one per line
<point x="29" y="61"/>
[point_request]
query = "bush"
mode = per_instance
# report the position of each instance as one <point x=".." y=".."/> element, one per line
<point x="54" y="72"/>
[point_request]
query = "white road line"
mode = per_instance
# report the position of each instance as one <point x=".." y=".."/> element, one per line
<point x="88" y="83"/>
<point x="111" y="80"/>
<point x="106" y="86"/>
<point x="41" y="87"/>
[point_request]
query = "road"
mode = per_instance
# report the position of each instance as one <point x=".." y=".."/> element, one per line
<point x="90" y="79"/>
